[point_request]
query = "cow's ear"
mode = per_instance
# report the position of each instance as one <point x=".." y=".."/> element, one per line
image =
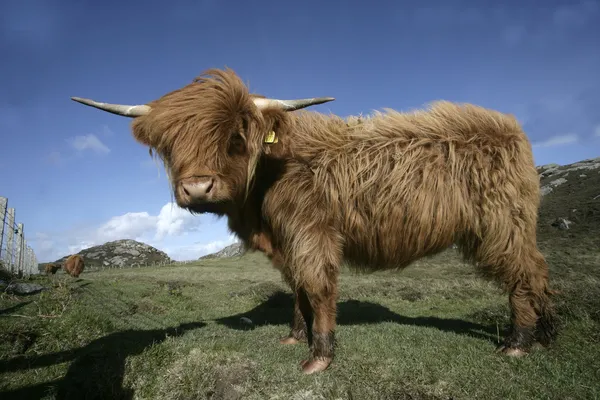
<point x="273" y="137"/>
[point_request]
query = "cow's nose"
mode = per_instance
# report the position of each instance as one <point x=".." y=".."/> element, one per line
<point x="198" y="187"/>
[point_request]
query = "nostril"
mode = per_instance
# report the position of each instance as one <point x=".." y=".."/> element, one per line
<point x="198" y="188"/>
<point x="210" y="186"/>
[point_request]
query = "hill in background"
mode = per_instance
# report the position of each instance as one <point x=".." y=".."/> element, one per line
<point x="119" y="253"/>
<point x="233" y="250"/>
<point x="570" y="199"/>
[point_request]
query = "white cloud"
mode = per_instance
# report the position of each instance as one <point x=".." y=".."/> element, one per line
<point x="170" y="221"/>
<point x="173" y="221"/>
<point x="76" y="248"/>
<point x="88" y="142"/>
<point x="597" y="131"/>
<point x="558" y="140"/>
<point x="173" y="230"/>
<point x="128" y="226"/>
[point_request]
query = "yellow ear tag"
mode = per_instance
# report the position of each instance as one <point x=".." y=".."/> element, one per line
<point x="271" y="138"/>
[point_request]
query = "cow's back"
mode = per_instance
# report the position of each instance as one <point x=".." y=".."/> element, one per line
<point x="74" y="265"/>
<point x="419" y="183"/>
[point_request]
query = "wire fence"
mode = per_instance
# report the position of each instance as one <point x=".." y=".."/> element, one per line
<point x="16" y="256"/>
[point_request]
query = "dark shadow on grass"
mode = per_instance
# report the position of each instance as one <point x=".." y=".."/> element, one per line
<point x="11" y="309"/>
<point x="277" y="310"/>
<point x="96" y="370"/>
<point x="84" y="284"/>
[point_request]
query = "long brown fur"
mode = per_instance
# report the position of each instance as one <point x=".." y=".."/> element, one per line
<point x="50" y="269"/>
<point x="378" y="192"/>
<point x="74" y="265"/>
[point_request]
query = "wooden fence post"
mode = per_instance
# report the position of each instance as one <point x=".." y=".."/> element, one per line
<point x="10" y="235"/>
<point x="3" y="204"/>
<point x="17" y="249"/>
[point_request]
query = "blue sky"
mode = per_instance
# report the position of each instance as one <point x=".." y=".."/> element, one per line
<point x="77" y="178"/>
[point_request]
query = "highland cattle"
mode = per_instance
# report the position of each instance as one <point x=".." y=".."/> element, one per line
<point x="51" y="268"/>
<point x="312" y="190"/>
<point x="74" y="265"/>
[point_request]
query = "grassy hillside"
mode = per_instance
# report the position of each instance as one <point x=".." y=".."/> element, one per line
<point x="179" y="332"/>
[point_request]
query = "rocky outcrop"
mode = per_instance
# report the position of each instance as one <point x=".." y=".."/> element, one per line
<point x="233" y="250"/>
<point x="121" y="253"/>
<point x="570" y="201"/>
<point x="554" y="175"/>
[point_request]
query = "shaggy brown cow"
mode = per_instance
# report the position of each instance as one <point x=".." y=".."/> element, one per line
<point x="74" y="265"/>
<point x="311" y="190"/>
<point x="51" y="268"/>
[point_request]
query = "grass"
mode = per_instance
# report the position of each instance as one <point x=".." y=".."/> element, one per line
<point x="177" y="332"/>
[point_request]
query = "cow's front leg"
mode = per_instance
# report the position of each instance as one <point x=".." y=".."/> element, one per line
<point x="318" y="308"/>
<point x="298" y="330"/>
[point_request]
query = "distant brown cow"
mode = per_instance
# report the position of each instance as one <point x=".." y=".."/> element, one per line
<point x="311" y="190"/>
<point x="51" y="268"/>
<point x="74" y="265"/>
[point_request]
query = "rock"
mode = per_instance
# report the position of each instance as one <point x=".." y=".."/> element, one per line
<point x="233" y="250"/>
<point x="555" y="169"/>
<point x="547" y="170"/>
<point x="558" y="181"/>
<point x="561" y="223"/>
<point x="24" y="288"/>
<point x="544" y="190"/>
<point x="547" y="167"/>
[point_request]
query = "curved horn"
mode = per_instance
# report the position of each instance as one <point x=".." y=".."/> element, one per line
<point x="289" y="105"/>
<point x="119" y="109"/>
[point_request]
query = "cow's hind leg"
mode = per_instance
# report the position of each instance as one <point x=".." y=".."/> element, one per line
<point x="532" y="312"/>
<point x="524" y="272"/>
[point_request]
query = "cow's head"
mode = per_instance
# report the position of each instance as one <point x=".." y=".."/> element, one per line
<point x="209" y="135"/>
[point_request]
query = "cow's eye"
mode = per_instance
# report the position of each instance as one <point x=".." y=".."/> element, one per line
<point x="236" y="144"/>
